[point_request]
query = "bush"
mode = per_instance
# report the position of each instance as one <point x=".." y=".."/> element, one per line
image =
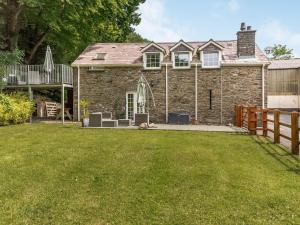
<point x="15" y="108"/>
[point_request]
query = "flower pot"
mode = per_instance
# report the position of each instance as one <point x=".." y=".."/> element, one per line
<point x="85" y="122"/>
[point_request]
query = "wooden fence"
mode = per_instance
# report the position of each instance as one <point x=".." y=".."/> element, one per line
<point x="256" y="119"/>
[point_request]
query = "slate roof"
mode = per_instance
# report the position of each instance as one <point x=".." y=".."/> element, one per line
<point x="130" y="53"/>
<point x="285" y="64"/>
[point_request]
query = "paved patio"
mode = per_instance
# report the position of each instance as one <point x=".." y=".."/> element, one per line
<point x="197" y="128"/>
<point x="211" y="128"/>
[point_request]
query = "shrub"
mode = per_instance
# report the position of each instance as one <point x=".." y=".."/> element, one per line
<point x="15" y="108"/>
<point x="84" y="104"/>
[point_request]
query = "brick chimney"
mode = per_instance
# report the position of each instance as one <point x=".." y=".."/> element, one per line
<point x="246" y="42"/>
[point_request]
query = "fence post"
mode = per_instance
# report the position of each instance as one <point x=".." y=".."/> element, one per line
<point x="295" y="132"/>
<point x="276" y="126"/>
<point x="265" y="122"/>
<point x="252" y="120"/>
<point x="238" y="116"/>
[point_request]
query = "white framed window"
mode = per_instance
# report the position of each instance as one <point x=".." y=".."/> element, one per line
<point x="152" y="60"/>
<point x="100" y="56"/>
<point x="181" y="60"/>
<point x="211" y="59"/>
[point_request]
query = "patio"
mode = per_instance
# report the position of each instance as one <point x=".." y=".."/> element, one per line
<point x="211" y="128"/>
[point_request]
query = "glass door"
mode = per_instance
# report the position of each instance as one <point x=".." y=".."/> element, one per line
<point x="131" y="105"/>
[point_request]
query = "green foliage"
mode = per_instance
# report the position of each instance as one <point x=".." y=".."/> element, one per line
<point x="69" y="26"/>
<point x="15" y="108"/>
<point x="282" y="52"/>
<point x="136" y="38"/>
<point x="7" y="58"/>
<point x="119" y="110"/>
<point x="84" y="104"/>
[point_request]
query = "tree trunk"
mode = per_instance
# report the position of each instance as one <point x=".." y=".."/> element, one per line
<point x="13" y="11"/>
<point x="36" y="47"/>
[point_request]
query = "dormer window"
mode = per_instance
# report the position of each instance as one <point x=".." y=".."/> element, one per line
<point x="152" y="56"/>
<point x="100" y="56"/>
<point x="211" y="53"/>
<point x="152" y="60"/>
<point x="181" y="55"/>
<point x="181" y="60"/>
<point x="210" y="59"/>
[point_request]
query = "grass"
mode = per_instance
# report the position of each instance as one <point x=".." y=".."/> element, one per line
<point x="51" y="174"/>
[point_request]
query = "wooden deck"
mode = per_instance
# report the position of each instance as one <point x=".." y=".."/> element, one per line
<point x="23" y="76"/>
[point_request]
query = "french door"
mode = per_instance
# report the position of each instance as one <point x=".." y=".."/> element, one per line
<point x="131" y="105"/>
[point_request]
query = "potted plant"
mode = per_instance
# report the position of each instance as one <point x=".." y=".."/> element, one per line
<point x="84" y="104"/>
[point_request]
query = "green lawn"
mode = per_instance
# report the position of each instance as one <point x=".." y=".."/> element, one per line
<point x="51" y="174"/>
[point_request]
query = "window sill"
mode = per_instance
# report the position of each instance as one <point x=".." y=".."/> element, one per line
<point x="182" y="68"/>
<point x="211" y="67"/>
<point x="154" y="68"/>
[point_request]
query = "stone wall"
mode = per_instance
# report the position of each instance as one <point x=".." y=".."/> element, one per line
<point x="103" y="88"/>
<point x="229" y="85"/>
<point x="241" y="85"/>
<point x="181" y="91"/>
<point x="209" y="79"/>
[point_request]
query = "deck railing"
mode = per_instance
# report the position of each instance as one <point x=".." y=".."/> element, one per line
<point x="37" y="74"/>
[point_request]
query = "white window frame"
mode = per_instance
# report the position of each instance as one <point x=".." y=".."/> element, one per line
<point x="134" y="104"/>
<point x="97" y="57"/>
<point x="181" y="67"/>
<point x="211" y="67"/>
<point x="145" y="60"/>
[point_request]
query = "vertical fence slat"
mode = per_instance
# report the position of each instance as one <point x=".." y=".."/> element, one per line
<point x="276" y="126"/>
<point x="265" y="122"/>
<point x="252" y="120"/>
<point x="295" y="132"/>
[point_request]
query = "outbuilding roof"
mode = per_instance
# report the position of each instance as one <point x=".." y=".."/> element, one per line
<point x="284" y="64"/>
<point x="131" y="53"/>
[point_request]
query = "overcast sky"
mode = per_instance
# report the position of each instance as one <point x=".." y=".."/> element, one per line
<point x="276" y="21"/>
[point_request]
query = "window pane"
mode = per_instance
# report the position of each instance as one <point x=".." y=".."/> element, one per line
<point x="182" y="59"/>
<point x="211" y="59"/>
<point x="153" y="60"/>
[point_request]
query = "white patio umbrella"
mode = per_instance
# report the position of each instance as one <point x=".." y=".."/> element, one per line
<point x="48" y="63"/>
<point x="141" y="95"/>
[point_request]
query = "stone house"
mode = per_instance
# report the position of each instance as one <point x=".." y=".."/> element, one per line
<point x="205" y="79"/>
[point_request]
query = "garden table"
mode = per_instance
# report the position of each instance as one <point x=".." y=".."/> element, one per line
<point x="66" y="113"/>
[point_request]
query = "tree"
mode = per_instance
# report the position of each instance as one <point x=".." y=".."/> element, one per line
<point x="67" y="25"/>
<point x="7" y="58"/>
<point x="136" y="38"/>
<point x="281" y="52"/>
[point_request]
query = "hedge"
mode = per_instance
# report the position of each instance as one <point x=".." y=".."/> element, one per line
<point x="15" y="108"/>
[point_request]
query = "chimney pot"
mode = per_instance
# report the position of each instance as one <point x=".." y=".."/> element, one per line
<point x="243" y="26"/>
<point x="249" y="27"/>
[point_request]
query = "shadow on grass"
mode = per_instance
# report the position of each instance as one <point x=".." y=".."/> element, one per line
<point x="279" y="153"/>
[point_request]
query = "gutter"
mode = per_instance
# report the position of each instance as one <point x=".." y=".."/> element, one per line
<point x="244" y="64"/>
<point x="167" y="94"/>
<point x="107" y="65"/>
<point x="78" y="93"/>
<point x="196" y="91"/>
<point x="263" y="85"/>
